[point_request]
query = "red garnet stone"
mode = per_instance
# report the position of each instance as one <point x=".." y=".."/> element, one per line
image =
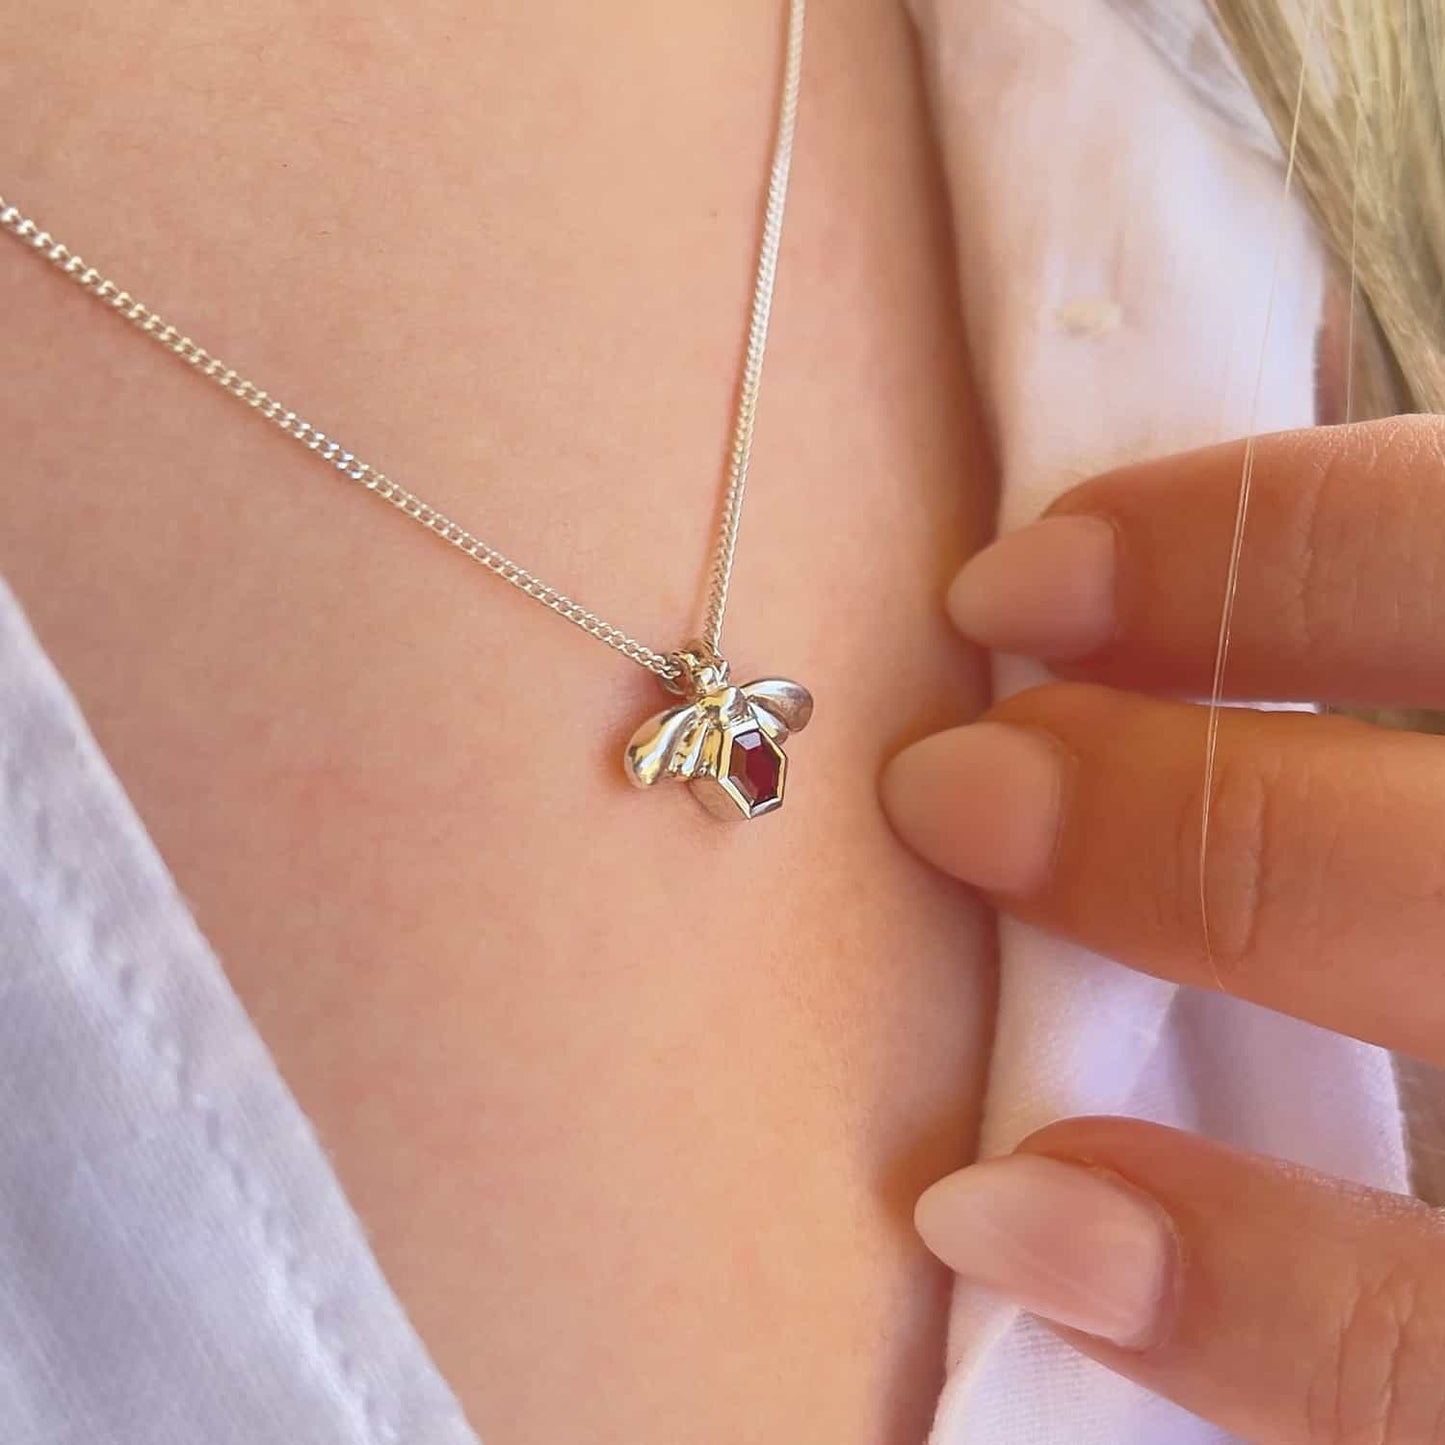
<point x="755" y="769"/>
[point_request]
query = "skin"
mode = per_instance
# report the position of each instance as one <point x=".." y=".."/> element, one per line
<point x="633" y="1106"/>
<point x="1297" y="1310"/>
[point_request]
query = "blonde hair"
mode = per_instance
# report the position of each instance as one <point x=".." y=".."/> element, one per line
<point x="1357" y="88"/>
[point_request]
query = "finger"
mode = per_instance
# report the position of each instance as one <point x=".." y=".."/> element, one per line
<point x="1323" y="892"/>
<point x="1340" y="580"/>
<point x="1288" y="1308"/>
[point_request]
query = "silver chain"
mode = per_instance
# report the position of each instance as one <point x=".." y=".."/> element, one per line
<point x="663" y="664"/>
<point x="721" y="575"/>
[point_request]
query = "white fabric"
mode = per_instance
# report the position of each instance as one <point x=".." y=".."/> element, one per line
<point x="178" y="1265"/>
<point x="1117" y="245"/>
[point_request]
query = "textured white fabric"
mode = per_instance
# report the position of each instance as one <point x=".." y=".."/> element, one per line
<point x="178" y="1265"/>
<point x="1117" y="244"/>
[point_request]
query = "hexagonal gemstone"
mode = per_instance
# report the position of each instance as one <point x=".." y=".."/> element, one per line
<point x="755" y="767"/>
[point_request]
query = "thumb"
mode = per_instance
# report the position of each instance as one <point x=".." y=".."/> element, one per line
<point x="1288" y="1308"/>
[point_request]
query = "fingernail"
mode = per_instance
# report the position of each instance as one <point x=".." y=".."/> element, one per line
<point x="981" y="802"/>
<point x="1046" y="590"/>
<point x="1075" y="1245"/>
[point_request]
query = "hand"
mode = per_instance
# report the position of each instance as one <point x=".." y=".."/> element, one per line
<point x="1287" y="1307"/>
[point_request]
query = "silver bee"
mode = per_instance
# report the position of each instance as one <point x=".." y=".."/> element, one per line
<point x="724" y="741"/>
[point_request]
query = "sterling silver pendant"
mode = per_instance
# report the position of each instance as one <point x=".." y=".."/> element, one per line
<point x="725" y="742"/>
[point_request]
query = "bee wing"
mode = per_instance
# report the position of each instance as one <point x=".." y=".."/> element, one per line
<point x="653" y="746"/>
<point x="787" y="705"/>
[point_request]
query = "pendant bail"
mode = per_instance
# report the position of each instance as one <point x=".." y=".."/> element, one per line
<point x="700" y="670"/>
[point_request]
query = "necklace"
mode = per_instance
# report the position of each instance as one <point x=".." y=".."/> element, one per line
<point x="723" y="740"/>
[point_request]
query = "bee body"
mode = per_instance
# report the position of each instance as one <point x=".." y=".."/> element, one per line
<point x="724" y="741"/>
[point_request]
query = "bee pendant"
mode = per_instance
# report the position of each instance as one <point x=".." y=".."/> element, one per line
<point x="724" y="741"/>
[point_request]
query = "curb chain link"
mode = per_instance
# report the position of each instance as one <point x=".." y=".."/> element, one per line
<point x="328" y="449"/>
